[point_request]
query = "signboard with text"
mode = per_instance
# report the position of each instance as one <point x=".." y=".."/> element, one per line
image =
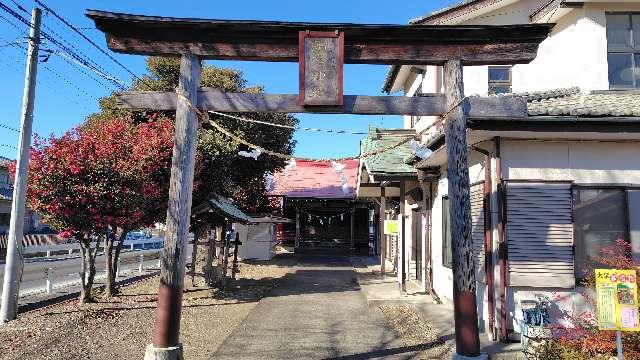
<point x="391" y="227"/>
<point x="617" y="300"/>
<point x="321" y="57"/>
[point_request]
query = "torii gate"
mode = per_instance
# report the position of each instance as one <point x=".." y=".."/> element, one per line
<point x="321" y="50"/>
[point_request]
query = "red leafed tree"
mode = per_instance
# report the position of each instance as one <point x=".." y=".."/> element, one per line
<point x="97" y="183"/>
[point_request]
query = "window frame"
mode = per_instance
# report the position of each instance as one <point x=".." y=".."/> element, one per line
<point x="632" y="50"/>
<point x="579" y="246"/>
<point x="447" y="257"/>
<point x="501" y="83"/>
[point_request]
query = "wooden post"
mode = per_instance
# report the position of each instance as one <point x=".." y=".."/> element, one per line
<point x="194" y="254"/>
<point x="234" y="266"/>
<point x="211" y="253"/>
<point x="14" y="260"/>
<point x="464" y="282"/>
<point x="167" y="324"/>
<point x="381" y="236"/>
<point x="225" y="252"/>
<point x="297" y="239"/>
<point x="352" y="239"/>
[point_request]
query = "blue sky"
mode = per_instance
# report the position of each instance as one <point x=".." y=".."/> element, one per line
<point x="65" y="94"/>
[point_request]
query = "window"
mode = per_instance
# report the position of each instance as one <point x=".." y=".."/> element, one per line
<point x="600" y="221"/>
<point x="499" y="80"/>
<point x="414" y="121"/>
<point x="4" y="178"/>
<point x="623" y="41"/>
<point x="447" y="258"/>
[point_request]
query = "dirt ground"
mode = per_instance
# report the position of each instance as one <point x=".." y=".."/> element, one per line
<point x="413" y="331"/>
<point x="121" y="327"/>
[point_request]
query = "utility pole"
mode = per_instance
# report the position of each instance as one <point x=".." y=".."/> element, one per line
<point x="13" y="266"/>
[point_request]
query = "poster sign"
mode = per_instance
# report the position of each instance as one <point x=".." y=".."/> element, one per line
<point x="617" y="299"/>
<point x="391" y="227"/>
<point x="321" y="67"/>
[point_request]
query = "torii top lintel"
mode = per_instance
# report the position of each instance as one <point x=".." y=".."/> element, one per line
<point x="278" y="41"/>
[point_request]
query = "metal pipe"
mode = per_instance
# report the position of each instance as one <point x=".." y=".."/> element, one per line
<point x="381" y="236"/>
<point x="430" y="227"/>
<point x="403" y="255"/>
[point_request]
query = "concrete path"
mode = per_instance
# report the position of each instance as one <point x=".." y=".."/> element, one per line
<point x="317" y="312"/>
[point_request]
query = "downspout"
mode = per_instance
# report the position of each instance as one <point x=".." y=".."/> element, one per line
<point x="402" y="257"/>
<point x="502" y="245"/>
<point x="488" y="238"/>
<point x="434" y="295"/>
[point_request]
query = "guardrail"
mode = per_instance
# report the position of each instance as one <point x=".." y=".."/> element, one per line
<point x="135" y="262"/>
<point x="50" y="251"/>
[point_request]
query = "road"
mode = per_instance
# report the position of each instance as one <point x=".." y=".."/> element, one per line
<point x="66" y="269"/>
<point x="317" y="312"/>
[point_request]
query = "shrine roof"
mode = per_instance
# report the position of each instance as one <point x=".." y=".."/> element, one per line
<point x="225" y="207"/>
<point x="390" y="162"/>
<point x="316" y="179"/>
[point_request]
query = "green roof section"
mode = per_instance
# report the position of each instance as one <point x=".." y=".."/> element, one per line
<point x="392" y="161"/>
<point x="225" y="207"/>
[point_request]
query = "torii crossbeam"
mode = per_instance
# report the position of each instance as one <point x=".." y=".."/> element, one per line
<point x="321" y="50"/>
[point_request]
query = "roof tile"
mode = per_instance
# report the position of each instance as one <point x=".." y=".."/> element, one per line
<point x="391" y="161"/>
<point x="316" y="179"/>
<point x="595" y="104"/>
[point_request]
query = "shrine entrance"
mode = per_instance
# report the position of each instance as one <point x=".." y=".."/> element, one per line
<point x="321" y="51"/>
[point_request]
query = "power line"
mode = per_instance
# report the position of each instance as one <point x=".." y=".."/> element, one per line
<point x="51" y="31"/>
<point x="17" y="44"/>
<point x="9" y="146"/>
<point x="64" y="79"/>
<point x="64" y="21"/>
<point x="108" y="77"/>
<point x="66" y="49"/>
<point x="57" y="91"/>
<point x="97" y="80"/>
<point x="9" y="128"/>
<point x="12" y="24"/>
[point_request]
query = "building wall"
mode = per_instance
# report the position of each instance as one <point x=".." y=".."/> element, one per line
<point x="442" y="275"/>
<point x="581" y="162"/>
<point x="575" y="53"/>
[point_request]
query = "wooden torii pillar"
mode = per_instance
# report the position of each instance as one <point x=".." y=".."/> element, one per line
<point x="321" y="50"/>
<point x="167" y="324"/>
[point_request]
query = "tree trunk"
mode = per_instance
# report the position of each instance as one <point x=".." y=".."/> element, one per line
<point x="108" y="255"/>
<point x="88" y="269"/>
<point x="112" y="254"/>
<point x="118" y="249"/>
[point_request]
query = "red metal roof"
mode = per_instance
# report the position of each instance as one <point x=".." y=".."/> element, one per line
<point x="316" y="179"/>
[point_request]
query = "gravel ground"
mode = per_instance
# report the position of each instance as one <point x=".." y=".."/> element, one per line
<point x="413" y="331"/>
<point x="121" y="328"/>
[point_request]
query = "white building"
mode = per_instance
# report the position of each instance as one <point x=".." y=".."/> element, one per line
<point x="561" y="184"/>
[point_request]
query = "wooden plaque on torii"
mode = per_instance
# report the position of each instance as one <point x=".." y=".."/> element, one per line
<point x="321" y="67"/>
